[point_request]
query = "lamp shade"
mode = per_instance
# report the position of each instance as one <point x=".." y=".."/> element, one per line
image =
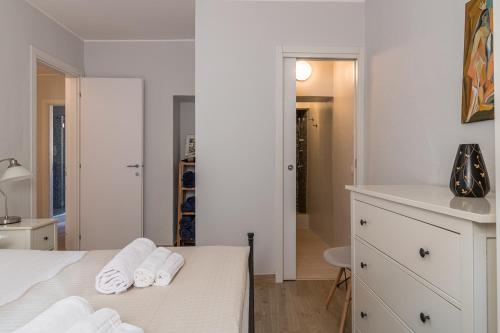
<point x="15" y="172"/>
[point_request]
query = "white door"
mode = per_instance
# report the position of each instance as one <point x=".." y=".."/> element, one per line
<point x="72" y="171"/>
<point x="111" y="155"/>
<point x="289" y="178"/>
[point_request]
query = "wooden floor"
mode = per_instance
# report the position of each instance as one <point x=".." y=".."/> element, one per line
<point x="61" y="236"/>
<point x="297" y="307"/>
<point x="310" y="262"/>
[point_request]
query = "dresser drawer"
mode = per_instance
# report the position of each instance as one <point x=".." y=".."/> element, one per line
<point x="395" y="287"/>
<point x="370" y="316"/>
<point x="43" y="238"/>
<point x="429" y="251"/>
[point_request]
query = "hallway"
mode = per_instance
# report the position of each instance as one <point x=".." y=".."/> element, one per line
<point x="310" y="262"/>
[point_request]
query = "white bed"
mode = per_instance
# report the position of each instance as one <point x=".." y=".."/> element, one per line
<point x="209" y="295"/>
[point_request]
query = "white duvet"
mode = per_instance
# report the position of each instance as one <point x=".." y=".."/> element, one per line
<point x="21" y="269"/>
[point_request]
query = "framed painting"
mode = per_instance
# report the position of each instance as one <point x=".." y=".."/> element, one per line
<point x="478" y="92"/>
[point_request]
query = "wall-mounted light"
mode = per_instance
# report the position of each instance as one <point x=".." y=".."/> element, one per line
<point x="303" y="70"/>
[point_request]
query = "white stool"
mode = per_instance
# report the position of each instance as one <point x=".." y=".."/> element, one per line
<point x="340" y="257"/>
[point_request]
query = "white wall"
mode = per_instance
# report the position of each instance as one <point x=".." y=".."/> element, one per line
<point x="344" y="94"/>
<point x="168" y="70"/>
<point x="235" y="108"/>
<point x="414" y="72"/>
<point x="21" y="26"/>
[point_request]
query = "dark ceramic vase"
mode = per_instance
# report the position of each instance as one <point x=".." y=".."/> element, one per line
<point x="469" y="177"/>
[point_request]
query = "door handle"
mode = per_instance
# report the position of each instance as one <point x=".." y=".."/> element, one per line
<point x="133" y="166"/>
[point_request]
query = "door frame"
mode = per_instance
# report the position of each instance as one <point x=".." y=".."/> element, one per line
<point x="331" y="53"/>
<point x="72" y="198"/>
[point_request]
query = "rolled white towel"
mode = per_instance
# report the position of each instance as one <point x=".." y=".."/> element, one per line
<point x="118" y="274"/>
<point x="145" y="274"/>
<point x="102" y="321"/>
<point x="168" y="270"/>
<point x="127" y="328"/>
<point x="59" y="317"/>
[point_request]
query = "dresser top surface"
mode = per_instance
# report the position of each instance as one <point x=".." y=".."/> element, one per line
<point x="27" y="224"/>
<point x="437" y="199"/>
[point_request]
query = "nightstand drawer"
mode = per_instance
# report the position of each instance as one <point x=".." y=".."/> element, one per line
<point x="17" y="239"/>
<point x="377" y="269"/>
<point x="43" y="238"/>
<point x="370" y="315"/>
<point x="429" y="251"/>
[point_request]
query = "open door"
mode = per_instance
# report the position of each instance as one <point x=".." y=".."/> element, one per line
<point x="111" y="157"/>
<point x="290" y="173"/>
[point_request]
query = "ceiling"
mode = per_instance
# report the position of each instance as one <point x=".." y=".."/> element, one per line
<point x="122" y="19"/>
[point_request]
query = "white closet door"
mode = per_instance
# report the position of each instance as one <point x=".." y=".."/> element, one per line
<point x="289" y="178"/>
<point x="111" y="155"/>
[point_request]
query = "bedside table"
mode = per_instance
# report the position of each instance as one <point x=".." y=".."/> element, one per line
<point x="29" y="234"/>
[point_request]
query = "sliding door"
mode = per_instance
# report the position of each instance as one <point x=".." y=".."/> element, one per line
<point x="290" y="173"/>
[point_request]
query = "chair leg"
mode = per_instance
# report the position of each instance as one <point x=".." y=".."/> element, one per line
<point x="345" y="277"/>
<point x="334" y="287"/>
<point x="346" y="308"/>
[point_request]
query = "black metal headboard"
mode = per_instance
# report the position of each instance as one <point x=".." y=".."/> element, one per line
<point x="251" y="315"/>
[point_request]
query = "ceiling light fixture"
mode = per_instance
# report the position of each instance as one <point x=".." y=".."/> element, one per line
<point x="303" y="70"/>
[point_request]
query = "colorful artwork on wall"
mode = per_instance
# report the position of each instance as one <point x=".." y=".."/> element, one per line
<point x="478" y="86"/>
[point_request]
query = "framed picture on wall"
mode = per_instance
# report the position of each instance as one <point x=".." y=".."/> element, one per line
<point x="478" y="91"/>
<point x="190" y="148"/>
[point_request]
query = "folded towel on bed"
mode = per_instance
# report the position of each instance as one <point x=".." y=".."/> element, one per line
<point x="102" y="321"/>
<point x="168" y="270"/>
<point x="144" y="275"/>
<point x="118" y="274"/>
<point x="127" y="328"/>
<point x="59" y="317"/>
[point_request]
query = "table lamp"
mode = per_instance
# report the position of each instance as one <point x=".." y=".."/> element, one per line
<point x="14" y="172"/>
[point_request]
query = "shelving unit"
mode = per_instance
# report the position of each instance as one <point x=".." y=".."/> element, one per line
<point x="182" y="195"/>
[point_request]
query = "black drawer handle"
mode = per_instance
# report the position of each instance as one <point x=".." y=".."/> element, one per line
<point x="362" y="222"/>
<point x="363" y="265"/>
<point x="46" y="238"/>
<point x="363" y="315"/>
<point x="424" y="317"/>
<point x="423" y="252"/>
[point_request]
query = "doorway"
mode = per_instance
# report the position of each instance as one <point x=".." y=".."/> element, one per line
<point x="51" y="146"/>
<point x="184" y="163"/>
<point x="342" y="155"/>
<point x="325" y="95"/>
<point x="54" y="107"/>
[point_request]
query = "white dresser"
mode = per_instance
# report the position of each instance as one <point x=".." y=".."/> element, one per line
<point x="33" y="234"/>
<point x="423" y="260"/>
